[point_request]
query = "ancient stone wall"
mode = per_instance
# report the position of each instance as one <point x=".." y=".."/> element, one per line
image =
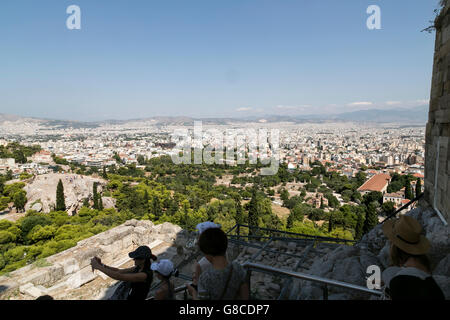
<point x="437" y="165"/>
<point x="68" y="272"/>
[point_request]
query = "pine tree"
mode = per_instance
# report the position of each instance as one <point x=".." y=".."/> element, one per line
<point x="418" y="187"/>
<point x="359" y="227"/>
<point x="156" y="207"/>
<point x="330" y="223"/>
<point x="239" y="213"/>
<point x="95" y="193"/>
<point x="100" y="203"/>
<point x="253" y="213"/>
<point x="371" y="218"/>
<point x="146" y="199"/>
<point x="104" y="175"/>
<point x="60" y="202"/>
<point x="408" y="191"/>
<point x="290" y="221"/>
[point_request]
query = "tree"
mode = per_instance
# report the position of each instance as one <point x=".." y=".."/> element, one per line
<point x="239" y="213"/>
<point x="418" y="187"/>
<point x="104" y="175"/>
<point x="359" y="227"/>
<point x="20" y="200"/>
<point x="388" y="207"/>
<point x="408" y="191"/>
<point x="60" y="202"/>
<point x="290" y="221"/>
<point x="100" y="203"/>
<point x="141" y="160"/>
<point x="156" y="207"/>
<point x="95" y="195"/>
<point x="330" y="223"/>
<point x="371" y="218"/>
<point x="253" y="213"/>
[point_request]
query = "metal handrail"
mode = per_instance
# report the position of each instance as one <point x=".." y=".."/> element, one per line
<point x="176" y="290"/>
<point x="288" y="233"/>
<point x="256" y="266"/>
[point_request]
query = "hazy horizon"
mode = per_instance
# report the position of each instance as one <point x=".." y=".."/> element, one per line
<point x="206" y="59"/>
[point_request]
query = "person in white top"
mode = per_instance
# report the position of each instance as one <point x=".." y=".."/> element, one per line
<point x="203" y="264"/>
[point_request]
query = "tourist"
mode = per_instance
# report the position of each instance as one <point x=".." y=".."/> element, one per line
<point x="203" y="264"/>
<point x="223" y="280"/>
<point x="164" y="270"/>
<point x="45" y="297"/>
<point x="408" y="251"/>
<point x="136" y="280"/>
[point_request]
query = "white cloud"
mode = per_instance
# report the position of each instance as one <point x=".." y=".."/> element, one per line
<point x="393" y="103"/>
<point x="301" y="107"/>
<point x="243" y="109"/>
<point x="360" y="103"/>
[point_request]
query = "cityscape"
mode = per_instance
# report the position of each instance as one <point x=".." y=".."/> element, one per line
<point x="238" y="150"/>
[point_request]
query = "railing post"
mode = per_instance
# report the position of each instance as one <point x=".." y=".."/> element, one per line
<point x="325" y="292"/>
<point x="249" y="276"/>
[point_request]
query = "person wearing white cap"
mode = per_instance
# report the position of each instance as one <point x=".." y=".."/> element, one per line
<point x="164" y="270"/>
<point x="203" y="264"/>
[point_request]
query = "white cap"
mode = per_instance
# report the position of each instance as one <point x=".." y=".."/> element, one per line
<point x="206" y="225"/>
<point x="165" y="267"/>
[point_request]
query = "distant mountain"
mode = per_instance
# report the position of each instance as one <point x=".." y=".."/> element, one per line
<point x="418" y="115"/>
<point x="415" y="115"/>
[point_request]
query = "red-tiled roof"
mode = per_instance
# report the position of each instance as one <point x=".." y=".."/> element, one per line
<point x="376" y="183"/>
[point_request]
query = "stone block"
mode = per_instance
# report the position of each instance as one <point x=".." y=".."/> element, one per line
<point x="147" y="224"/>
<point x="80" y="278"/>
<point x="57" y="288"/>
<point x="44" y="276"/>
<point x="127" y="242"/>
<point x="86" y="254"/>
<point x="70" y="266"/>
<point x="33" y="292"/>
<point x="25" y="287"/>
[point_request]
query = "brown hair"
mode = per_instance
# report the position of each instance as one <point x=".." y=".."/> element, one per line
<point x="213" y="242"/>
<point x="399" y="257"/>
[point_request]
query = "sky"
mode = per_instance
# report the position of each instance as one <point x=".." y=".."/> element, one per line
<point x="204" y="58"/>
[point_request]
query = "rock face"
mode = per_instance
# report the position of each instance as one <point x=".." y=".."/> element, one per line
<point x="76" y="189"/>
<point x="349" y="264"/>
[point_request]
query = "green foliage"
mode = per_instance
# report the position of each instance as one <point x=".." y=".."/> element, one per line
<point x="371" y="218"/>
<point x="6" y="237"/>
<point x="42" y="263"/>
<point x="408" y="191"/>
<point x="60" y="201"/>
<point x="388" y="208"/>
<point x="418" y="187"/>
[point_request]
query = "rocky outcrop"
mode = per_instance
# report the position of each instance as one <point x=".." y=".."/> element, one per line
<point x="349" y="263"/>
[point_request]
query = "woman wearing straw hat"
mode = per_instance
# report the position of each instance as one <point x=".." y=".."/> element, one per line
<point x="408" y="251"/>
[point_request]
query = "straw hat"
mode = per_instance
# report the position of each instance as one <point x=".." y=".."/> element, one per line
<point x="406" y="234"/>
